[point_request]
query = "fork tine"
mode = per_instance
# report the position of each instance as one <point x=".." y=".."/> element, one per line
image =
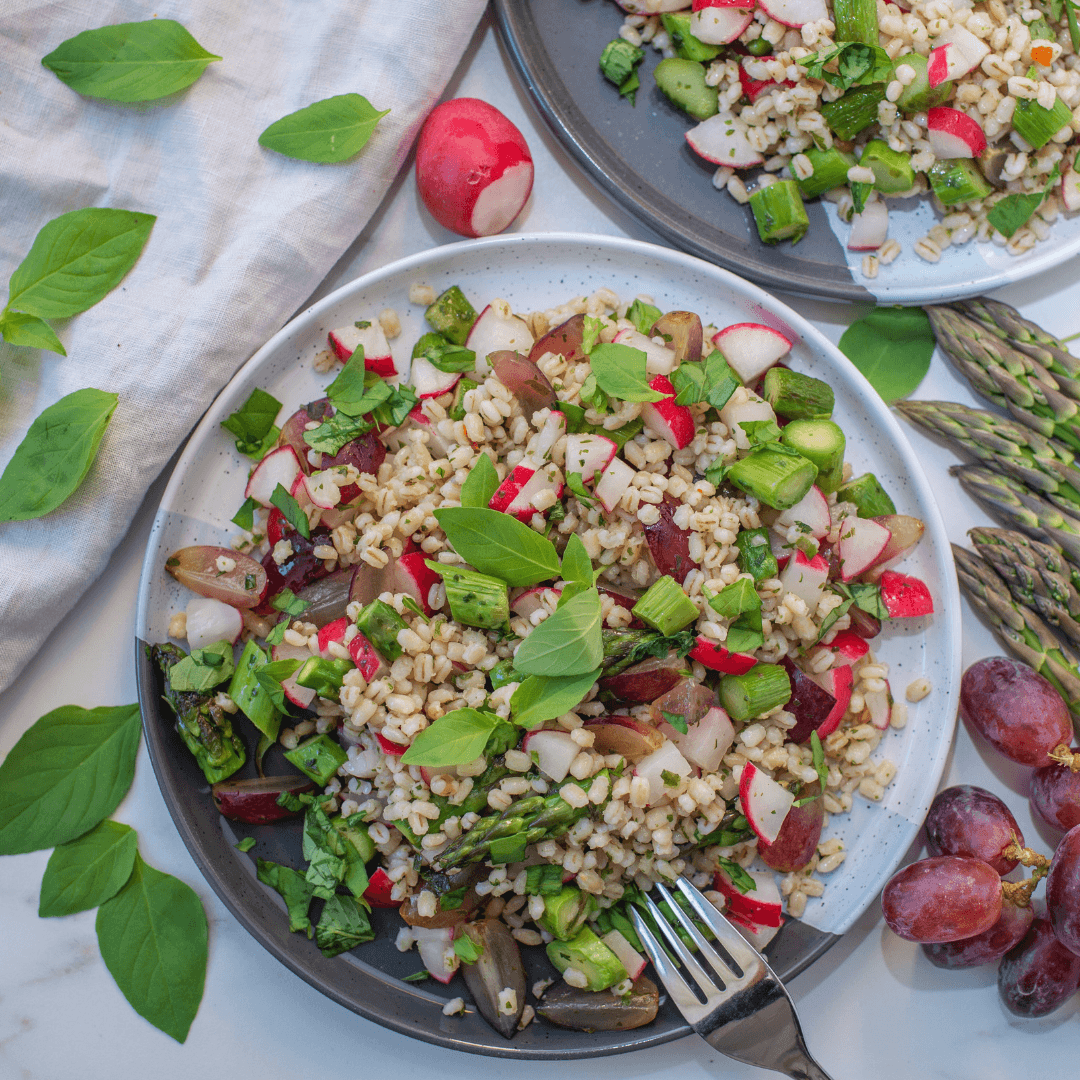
<point x="673" y="982"/>
<point x="708" y="953"/>
<point x="686" y="957"/>
<point x="736" y="946"/>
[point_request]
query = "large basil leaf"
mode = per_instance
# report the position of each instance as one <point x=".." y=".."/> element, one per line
<point x="29" y="331"/>
<point x="330" y="130"/>
<point x="67" y="773"/>
<point x="892" y="347"/>
<point x="499" y="545"/>
<point x="566" y="643"/>
<point x="86" y="872"/>
<point x="544" y="697"/>
<point x="139" y="61"/>
<point x="454" y="739"/>
<point x="621" y="372"/>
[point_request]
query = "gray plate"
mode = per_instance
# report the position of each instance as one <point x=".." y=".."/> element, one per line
<point x="640" y="157"/>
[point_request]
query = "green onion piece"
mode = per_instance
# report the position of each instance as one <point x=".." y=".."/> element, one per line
<point x="777" y="479"/>
<point x="325" y="677"/>
<point x="451" y="315"/>
<point x="830" y="171"/>
<point x="1038" y="125"/>
<point x="857" y="109"/>
<point x="475" y="599"/>
<point x="796" y="396"/>
<point x="755" y="692"/>
<point x="779" y="212"/>
<point x="958" y="180"/>
<point x="856" y="20"/>
<point x="381" y="624"/>
<point x="755" y="554"/>
<point x="319" y="758"/>
<point x="565" y="912"/>
<point x="823" y="443"/>
<point x="665" y="607"/>
<point x="589" y="955"/>
<point x="869" y="497"/>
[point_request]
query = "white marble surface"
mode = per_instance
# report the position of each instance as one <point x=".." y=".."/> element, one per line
<point x="871" y="1007"/>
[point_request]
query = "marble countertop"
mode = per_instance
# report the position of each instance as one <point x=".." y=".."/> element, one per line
<point x="872" y="1006"/>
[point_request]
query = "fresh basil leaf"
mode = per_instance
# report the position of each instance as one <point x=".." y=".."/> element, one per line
<point x="590" y="333"/>
<point x="575" y="482"/>
<point x="892" y="347"/>
<point x="332" y="434"/>
<point x="670" y="779"/>
<point x="643" y="315"/>
<point x="1014" y="211"/>
<point x="416" y="976"/>
<point x="481" y="484"/>
<point x="445" y="355"/>
<point x="152" y="937"/>
<point x="575" y="416"/>
<point x="739" y="877"/>
<point x="467" y="949"/>
<point x="710" y="380"/>
<point x="566" y="643"/>
<point x="456" y="738"/>
<point x="343" y="925"/>
<point x="288" y="602"/>
<point x="592" y="395"/>
<point x="395" y="411"/>
<point x="453" y="899"/>
<point x="356" y="391"/>
<point x="833" y="617"/>
<point x="246" y="844"/>
<point x="86" y="872"/>
<point x="293" y="888"/>
<point x="544" y="697"/>
<point x="270" y="677"/>
<point x="618" y="63"/>
<point x="544" y="879"/>
<point x="859" y="193"/>
<point x="500" y="545"/>
<point x="203" y="669"/>
<point x="253" y="424"/>
<point x="55" y="455"/>
<point x="324" y="849"/>
<point x="676" y="721"/>
<point x="856" y="65"/>
<point x="291" y="511"/>
<point x="30" y="332"/>
<point x="866" y="596"/>
<point x="327" y="131"/>
<point x="819" y="759"/>
<point x="760" y="432"/>
<point x="77" y="259"/>
<point x="245" y="516"/>
<point x="621" y="373"/>
<point x="68" y="772"/>
<point x="576" y="564"/>
<point x="140" y="61"/>
<point x="277" y="632"/>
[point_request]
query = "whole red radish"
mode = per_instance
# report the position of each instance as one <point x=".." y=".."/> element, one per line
<point x="473" y="167"/>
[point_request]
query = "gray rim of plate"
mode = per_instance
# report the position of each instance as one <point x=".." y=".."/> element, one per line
<point x="367" y="981"/>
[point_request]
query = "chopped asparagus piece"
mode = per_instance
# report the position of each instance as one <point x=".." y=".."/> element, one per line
<point x="320" y="757"/>
<point x="381" y="624"/>
<point x="830" y="170"/>
<point x="451" y="315"/>
<point x="957" y="181"/>
<point x="796" y="396"/>
<point x="755" y="554"/>
<point x="919" y="95"/>
<point x="823" y="443"/>
<point x="754" y="693"/>
<point x="683" y="83"/>
<point x="857" y="109"/>
<point x="665" y="607"/>
<point x="779" y="212"/>
<point x="589" y="955"/>
<point x="475" y="599"/>
<point x="869" y="497"/>
<point x="565" y="912"/>
<point x="776" y="479"/>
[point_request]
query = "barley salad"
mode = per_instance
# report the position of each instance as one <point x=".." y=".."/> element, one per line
<point x="862" y="103"/>
<point x="686" y="685"/>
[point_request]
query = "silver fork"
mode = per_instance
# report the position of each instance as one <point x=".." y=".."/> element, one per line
<point x="752" y="1018"/>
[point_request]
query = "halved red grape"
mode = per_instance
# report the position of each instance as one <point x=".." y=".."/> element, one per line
<point x="366" y="453"/>
<point x="299" y="569"/>
<point x="669" y="545"/>
<point x="1055" y="793"/>
<point x="1063" y="891"/>
<point x="987" y="947"/>
<point x="566" y="340"/>
<point x="944" y="898"/>
<point x="1015" y="708"/>
<point x="968" y="820"/>
<point x="197" y="567"/>
<point x="1039" y="974"/>
<point x="523" y="379"/>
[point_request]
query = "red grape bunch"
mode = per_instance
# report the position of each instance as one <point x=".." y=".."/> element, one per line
<point x="955" y="903"/>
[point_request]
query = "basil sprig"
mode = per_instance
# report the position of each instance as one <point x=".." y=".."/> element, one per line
<point x="328" y="131"/>
<point x="566" y="643"/>
<point x="544" y="697"/>
<point x="253" y="424"/>
<point x="445" y="355"/>
<point x="481" y="484"/>
<point x="87" y="871"/>
<point x="456" y="738"/>
<point x="710" y="380"/>
<point x="856" y="65"/>
<point x="498" y="544"/>
<point x="291" y="511"/>
<point x="620" y="372"/>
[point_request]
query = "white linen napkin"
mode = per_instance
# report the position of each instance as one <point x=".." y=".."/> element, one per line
<point x="243" y="235"/>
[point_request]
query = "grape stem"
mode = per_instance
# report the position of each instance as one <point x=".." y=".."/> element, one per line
<point x="1019" y="892"/>
<point x="1025" y="856"/>
<point x="1064" y="756"/>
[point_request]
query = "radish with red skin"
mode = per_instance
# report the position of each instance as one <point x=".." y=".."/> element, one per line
<point x="391" y="749"/>
<point x="497" y="329"/>
<point x="720" y="26"/>
<point x="673" y="423"/>
<point x="706" y="741"/>
<point x="839" y="682"/>
<point x="320" y="489"/>
<point x="954" y="134"/>
<point x="905" y="532"/>
<point x="795" y="13"/>
<point x="960" y="53"/>
<point x="904" y="596"/>
<point x="811" y="510"/>
<point x="515" y="494"/>
<point x="301" y="696"/>
<point x="753" y="88"/>
<point x="410" y="574"/>
<point x="761" y="905"/>
<point x="879" y="706"/>
<point x="553" y="752"/>
<point x="805" y="578"/>
<point x="628" y="956"/>
<point x="653" y="766"/>
<point x="369" y="336"/>
<point x="428" y="381"/>
<point x="614" y="483"/>
<point x="210" y="620"/>
<point x="810" y="704"/>
<point x="659" y="359"/>
<point x="799" y="835"/>
<point x="715" y="657"/>
<point x="474" y="171"/>
<point x="332" y="631"/>
<point x="764" y="802"/>
<point x="751" y="348"/>
<point x="758" y="936"/>
<point x="861" y="543"/>
<point x="722" y="139"/>
<point x="589" y="454"/>
<point x="870" y="229"/>
<point x="848" y="648"/>
<point x="369" y="663"/>
<point x="280" y="466"/>
<point x="377" y="893"/>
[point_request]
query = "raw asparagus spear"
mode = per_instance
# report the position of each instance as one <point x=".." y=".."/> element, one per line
<point x="1061" y="578"/>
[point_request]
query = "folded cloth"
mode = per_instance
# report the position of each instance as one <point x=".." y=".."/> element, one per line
<point x="243" y="235"/>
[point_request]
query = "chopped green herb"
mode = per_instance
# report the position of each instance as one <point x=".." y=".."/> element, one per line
<point x="246" y="844"/>
<point x="291" y="511"/>
<point x="253" y="424"/>
<point x="467" y="949"/>
<point x="245" y="516"/>
<point x="739" y="877"/>
<point x="620" y="372"/>
<point x="416" y="976"/>
<point x="288" y="602"/>
<point x="677" y="721"/>
<point x="643" y="315"/>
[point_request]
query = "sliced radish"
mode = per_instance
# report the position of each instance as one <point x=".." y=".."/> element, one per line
<point x="806" y="578"/>
<point x="368" y="335"/>
<point x="516" y="493"/>
<point x="722" y="139"/>
<point x="811" y="510"/>
<point x="667" y="759"/>
<point x="837" y="681"/>
<point x="436" y="948"/>
<point x="720" y="25"/>
<point x="753" y="88"/>
<point x="879" y="706"/>
<point x="847" y="647"/>
<point x="706" y="740"/>
<point x="589" y="454"/>
<point x="759" y="936"/>
<point x="428" y="381"/>
<point x="301" y="696"/>
<point x="905" y="532"/>
<point x="735" y="413"/>
<point x="410" y="574"/>
<point x="614" y="483"/>
<point x="531" y="600"/>
<point x="795" y="12"/>
<point x="1070" y="190"/>
<point x="761" y="905"/>
<point x="673" y="423"/>
<point x="389" y="747"/>
<point x="702" y="5"/>
<point x="280" y="466"/>
<point x="497" y="328"/>
<point x="628" y="956"/>
<point x="377" y="894"/>
<point x="210" y="620"/>
<point x="370" y="663"/>
<point x="862" y="540"/>
<point x="650" y="7"/>
<point x="553" y="430"/>
<point x="869" y="229"/>
<point x="321" y="490"/>
<point x="511" y="487"/>
<point x="956" y="52"/>
<point x="553" y="752"/>
<point x="764" y="802"/>
<point x="904" y="596"/>
<point x="659" y="359"/>
<point x="954" y="134"/>
<point x="332" y="632"/>
<point x="751" y="348"/>
<point x="715" y="657"/>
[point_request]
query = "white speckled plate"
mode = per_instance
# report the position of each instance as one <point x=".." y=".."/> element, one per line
<point x="536" y="272"/>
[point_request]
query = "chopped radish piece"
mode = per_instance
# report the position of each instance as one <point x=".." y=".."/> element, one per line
<point x="321" y="490"/>
<point x="332" y="631"/>
<point x="1070" y="190"/>
<point x="377" y="894"/>
<point x="516" y="493"/>
<point x="795" y="12"/>
<point x="758" y="936"/>
<point x="861" y="543"/>
<point x="280" y="466"/>
<point x="553" y="752"/>
<point x="411" y="574"/>
<point x="879" y="706"/>
<point x="300" y="696"/>
<point x="436" y="948"/>
<point x="722" y="139"/>
<point x="368" y="335"/>
<point x="837" y="681"/>
<point x="706" y="740"/>
<point x="210" y="620"/>
<point x="904" y="596"/>
<point x="390" y="748"/>
<point x="870" y="228"/>
<point x="702" y="5"/>
<point x="806" y="578"/>
<point x="761" y="905"/>
<point x="589" y="454"/>
<point x="905" y="532"/>
<point x="753" y="88"/>
<point x="674" y="423"/>
<point x="956" y="52"/>
<point x="954" y="134"/>
<point x="847" y="647"/>
<point x="715" y="657"/>
<point x="653" y="766"/>
<point x="531" y="600"/>
<point x="428" y="381"/>
<point x="735" y="413"/>
<point x="650" y="7"/>
<point x="369" y="662"/>
<point x="811" y="510"/>
<point x="553" y="430"/>
<point x="628" y="956"/>
<point x="497" y="328"/>
<point x="764" y="802"/>
<point x="613" y="484"/>
<point x="720" y="25"/>
<point x="751" y="348"/>
<point x="659" y="359"/>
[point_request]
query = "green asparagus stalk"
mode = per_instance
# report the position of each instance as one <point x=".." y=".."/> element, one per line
<point x="1044" y="465"/>
<point x="204" y="726"/>
<point x="856" y="20"/>
<point x="1061" y="578"/>
<point x="1023" y="632"/>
